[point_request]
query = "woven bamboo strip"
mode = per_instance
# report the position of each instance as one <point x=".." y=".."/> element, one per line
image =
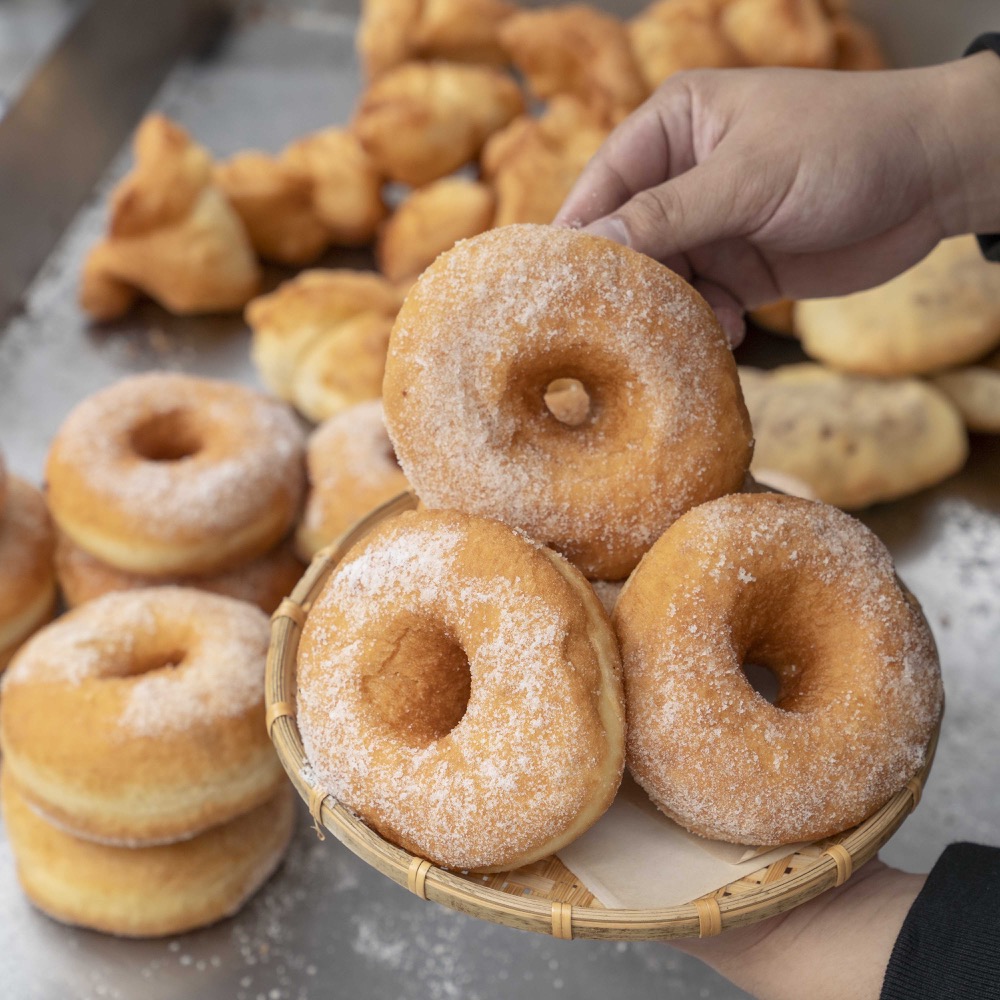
<point x="546" y="897"/>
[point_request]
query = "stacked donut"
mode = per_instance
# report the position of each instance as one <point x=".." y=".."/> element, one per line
<point x="140" y="793"/>
<point x="460" y="685"/>
<point x="170" y="479"/>
<point x="27" y="576"/>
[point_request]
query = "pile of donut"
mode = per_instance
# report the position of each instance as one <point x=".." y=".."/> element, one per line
<point x="460" y="685"/>
<point x="140" y="793"/>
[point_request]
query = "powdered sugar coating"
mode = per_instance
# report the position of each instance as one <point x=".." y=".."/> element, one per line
<point x="493" y="322"/>
<point x="352" y="469"/>
<point x="222" y="642"/>
<point x="530" y="754"/>
<point x="246" y="460"/>
<point x="808" y="591"/>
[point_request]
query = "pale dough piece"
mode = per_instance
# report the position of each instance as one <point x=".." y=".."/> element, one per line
<point x="299" y="313"/>
<point x="976" y="392"/>
<point x="172" y="235"/>
<point x="431" y="220"/>
<point x="343" y="368"/>
<point x="853" y="440"/>
<point x="942" y="312"/>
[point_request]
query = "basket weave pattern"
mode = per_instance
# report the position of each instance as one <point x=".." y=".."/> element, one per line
<point x="545" y="896"/>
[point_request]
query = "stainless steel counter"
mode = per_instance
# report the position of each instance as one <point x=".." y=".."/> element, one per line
<point x="327" y="925"/>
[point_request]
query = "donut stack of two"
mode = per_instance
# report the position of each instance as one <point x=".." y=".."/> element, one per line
<point x="165" y="478"/>
<point x="140" y="793"/>
<point x="460" y="685"/>
<point x="27" y="575"/>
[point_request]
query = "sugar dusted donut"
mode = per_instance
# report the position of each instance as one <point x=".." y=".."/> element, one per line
<point x="164" y="473"/>
<point x="138" y="718"/>
<point x="27" y="579"/>
<point x="810" y="593"/>
<point x="145" y="891"/>
<point x="352" y="469"/>
<point x="493" y="322"/>
<point x="263" y="581"/>
<point x="458" y="688"/>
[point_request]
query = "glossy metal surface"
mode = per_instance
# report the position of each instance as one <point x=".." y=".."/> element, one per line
<point x="327" y="925"/>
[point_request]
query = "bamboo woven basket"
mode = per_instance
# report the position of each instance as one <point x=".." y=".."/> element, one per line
<point x="545" y="896"/>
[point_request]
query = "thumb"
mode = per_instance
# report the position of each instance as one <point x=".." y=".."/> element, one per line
<point x="712" y="201"/>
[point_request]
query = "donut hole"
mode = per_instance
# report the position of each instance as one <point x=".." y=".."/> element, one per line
<point x="568" y="401"/>
<point x="147" y="662"/>
<point x="418" y="684"/>
<point x="763" y="680"/>
<point x="166" y="437"/>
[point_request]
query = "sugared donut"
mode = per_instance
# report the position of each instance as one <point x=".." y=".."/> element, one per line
<point x="352" y="469"/>
<point x="145" y="891"/>
<point x="164" y="474"/>
<point x="27" y="578"/>
<point x="807" y="591"/>
<point x="263" y="581"/>
<point x="493" y="322"/>
<point x="458" y="688"/>
<point x="138" y="718"/>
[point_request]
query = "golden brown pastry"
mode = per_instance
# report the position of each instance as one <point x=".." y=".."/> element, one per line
<point x="433" y="219"/>
<point x="421" y="121"/>
<point x="672" y="35"/>
<point x="347" y="188"/>
<point x="780" y="32"/>
<point x="27" y="581"/>
<point x="385" y="34"/>
<point x="352" y="470"/>
<point x="299" y="313"/>
<point x="856" y="44"/>
<point x="145" y="891"/>
<point x="776" y="317"/>
<point x="576" y="50"/>
<point x="275" y="201"/>
<point x="449" y="658"/>
<point x="534" y="162"/>
<point x="808" y="592"/>
<point x="172" y="234"/>
<point x="138" y="718"/>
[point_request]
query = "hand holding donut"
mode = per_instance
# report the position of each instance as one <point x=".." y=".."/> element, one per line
<point x="767" y="184"/>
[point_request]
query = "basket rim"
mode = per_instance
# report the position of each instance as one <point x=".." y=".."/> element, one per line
<point x="697" y="918"/>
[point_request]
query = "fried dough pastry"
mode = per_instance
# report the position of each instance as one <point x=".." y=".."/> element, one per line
<point x="576" y="50"/>
<point x="975" y="390"/>
<point x="172" y="235"/>
<point x="857" y="48"/>
<point x="347" y="188"/>
<point x="534" y="162"/>
<point x="780" y="32"/>
<point x="431" y="220"/>
<point x="672" y="35"/>
<point x="275" y="202"/>
<point x="421" y="121"/>
<point x="395" y="31"/>
<point x="289" y="321"/>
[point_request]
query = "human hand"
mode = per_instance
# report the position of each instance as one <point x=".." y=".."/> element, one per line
<point x="764" y="184"/>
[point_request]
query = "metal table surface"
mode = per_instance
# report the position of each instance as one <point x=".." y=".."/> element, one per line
<point x="326" y="924"/>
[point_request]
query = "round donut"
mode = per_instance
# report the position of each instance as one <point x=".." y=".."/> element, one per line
<point x="27" y="579"/>
<point x="170" y="474"/>
<point x="494" y="322"/>
<point x="138" y="718"/>
<point x="802" y="589"/>
<point x="459" y="689"/>
<point x="263" y="581"/>
<point x="145" y="891"/>
<point x="351" y="469"/>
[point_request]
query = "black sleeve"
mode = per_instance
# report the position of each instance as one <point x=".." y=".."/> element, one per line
<point x="949" y="945"/>
<point x="989" y="243"/>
